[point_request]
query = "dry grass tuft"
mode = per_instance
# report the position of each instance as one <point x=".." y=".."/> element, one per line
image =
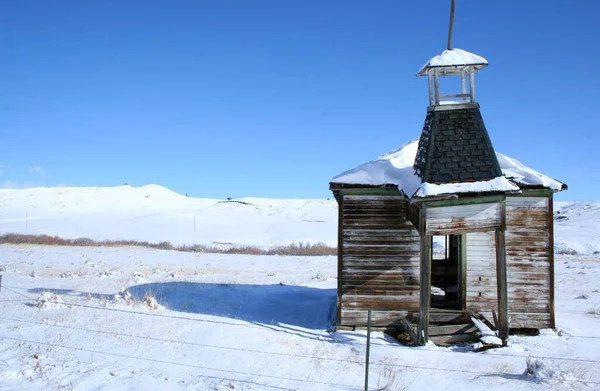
<point x="391" y="379"/>
<point x="566" y="251"/>
<point x="595" y="310"/>
<point x="300" y="249"/>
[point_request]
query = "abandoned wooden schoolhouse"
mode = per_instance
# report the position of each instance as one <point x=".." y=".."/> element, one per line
<point x="444" y="228"/>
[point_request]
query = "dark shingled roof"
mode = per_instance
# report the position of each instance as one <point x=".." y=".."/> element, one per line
<point x="455" y="147"/>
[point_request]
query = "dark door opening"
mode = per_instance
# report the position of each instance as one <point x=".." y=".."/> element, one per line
<point x="446" y="270"/>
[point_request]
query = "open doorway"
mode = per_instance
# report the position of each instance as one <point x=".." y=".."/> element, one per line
<point x="446" y="270"/>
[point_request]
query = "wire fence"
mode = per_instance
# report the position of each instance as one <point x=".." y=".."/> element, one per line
<point x="358" y="364"/>
<point x="153" y="360"/>
<point x="379" y="345"/>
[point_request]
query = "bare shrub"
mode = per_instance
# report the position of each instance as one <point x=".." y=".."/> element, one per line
<point x="531" y="365"/>
<point x="164" y="245"/>
<point x="595" y="310"/>
<point x="388" y="379"/>
<point x="49" y="300"/>
<point x="192" y="248"/>
<point x="150" y="301"/>
<point x="299" y="249"/>
<point x="566" y="251"/>
<point x="310" y="249"/>
<point x="83" y="242"/>
<point x="547" y="370"/>
<point x="238" y="249"/>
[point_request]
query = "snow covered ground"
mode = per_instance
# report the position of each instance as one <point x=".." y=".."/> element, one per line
<point x="88" y="318"/>
<point x="154" y="213"/>
<point x="135" y="319"/>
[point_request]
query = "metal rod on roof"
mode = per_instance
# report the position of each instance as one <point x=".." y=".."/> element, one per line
<point x="451" y="28"/>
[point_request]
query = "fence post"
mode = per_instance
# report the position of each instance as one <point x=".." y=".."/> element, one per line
<point x="368" y="351"/>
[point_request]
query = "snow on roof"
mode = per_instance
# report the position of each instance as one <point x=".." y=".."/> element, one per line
<point x="521" y="174"/>
<point x="498" y="184"/>
<point x="396" y="168"/>
<point x="454" y="57"/>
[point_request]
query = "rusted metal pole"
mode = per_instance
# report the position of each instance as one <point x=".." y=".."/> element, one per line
<point x="451" y="27"/>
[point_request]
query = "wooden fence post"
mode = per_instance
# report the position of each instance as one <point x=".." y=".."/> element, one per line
<point x="368" y="351"/>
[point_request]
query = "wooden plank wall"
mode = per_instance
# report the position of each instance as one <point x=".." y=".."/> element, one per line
<point x="528" y="262"/>
<point x="448" y="220"/>
<point x="482" y="289"/>
<point x="380" y="260"/>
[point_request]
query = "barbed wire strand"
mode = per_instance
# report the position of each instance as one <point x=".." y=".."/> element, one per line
<point x="479" y="374"/>
<point x="397" y="347"/>
<point x="184" y="342"/>
<point x="176" y="363"/>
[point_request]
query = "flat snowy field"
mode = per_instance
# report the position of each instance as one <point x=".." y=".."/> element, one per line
<point x="88" y="318"/>
<point x="84" y="318"/>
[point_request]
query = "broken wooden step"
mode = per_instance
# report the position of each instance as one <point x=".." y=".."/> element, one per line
<point x="439" y="316"/>
<point x="451" y="329"/>
<point x="445" y="340"/>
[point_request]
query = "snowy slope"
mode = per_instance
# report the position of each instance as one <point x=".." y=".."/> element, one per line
<point x="154" y="213"/>
<point x="577" y="227"/>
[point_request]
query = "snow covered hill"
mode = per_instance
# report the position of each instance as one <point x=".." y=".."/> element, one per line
<point x="154" y="213"/>
<point x="577" y="227"/>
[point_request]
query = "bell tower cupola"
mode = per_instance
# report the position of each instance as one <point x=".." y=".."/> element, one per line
<point x="452" y="63"/>
<point x="454" y="146"/>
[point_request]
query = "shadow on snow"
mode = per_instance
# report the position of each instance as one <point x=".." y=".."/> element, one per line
<point x="305" y="307"/>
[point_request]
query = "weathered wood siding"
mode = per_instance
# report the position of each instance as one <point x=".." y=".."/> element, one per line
<point x="380" y="260"/>
<point x="482" y="289"/>
<point x="448" y="220"/>
<point x="528" y="262"/>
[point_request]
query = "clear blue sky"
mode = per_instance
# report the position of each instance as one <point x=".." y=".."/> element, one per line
<point x="273" y="98"/>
